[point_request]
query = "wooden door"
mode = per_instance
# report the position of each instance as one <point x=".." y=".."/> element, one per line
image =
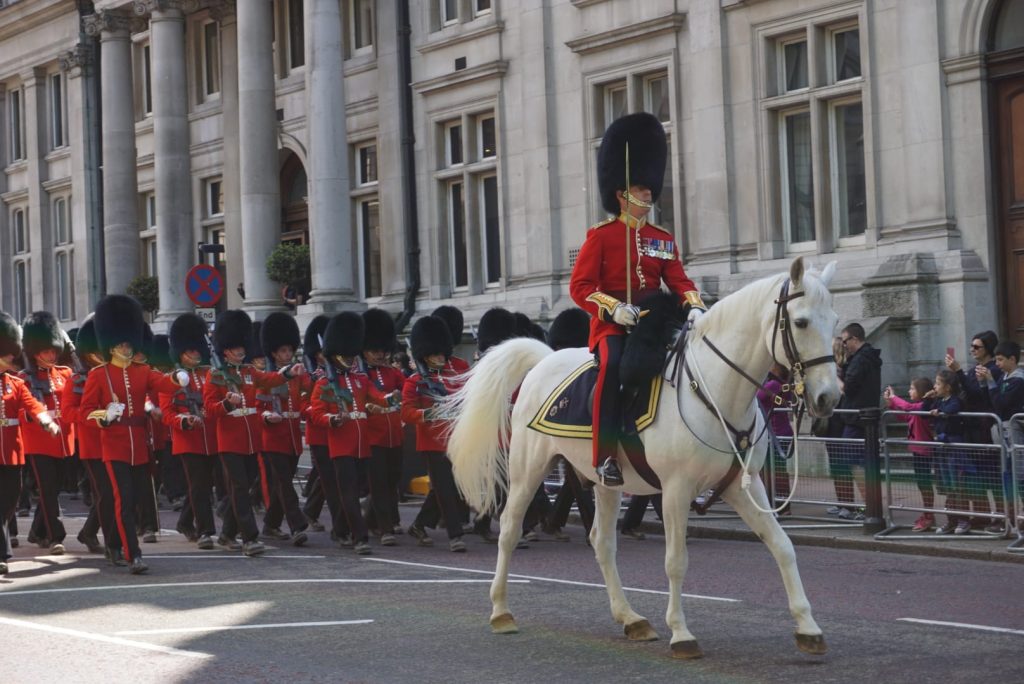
<point x="1009" y="163"/>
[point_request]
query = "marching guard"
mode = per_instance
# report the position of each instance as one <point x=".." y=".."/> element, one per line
<point x="324" y="489"/>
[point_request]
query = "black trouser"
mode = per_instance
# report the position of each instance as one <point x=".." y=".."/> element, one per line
<point x="28" y="483"/>
<point x="443" y="496"/>
<point x="148" y="519"/>
<point x="382" y="488"/>
<point x="607" y="402"/>
<point x="634" y="514"/>
<point x="49" y="473"/>
<point x="393" y="470"/>
<point x="10" y="492"/>
<point x="239" y="471"/>
<point x="172" y="475"/>
<point x="197" y="513"/>
<point x="328" y="489"/>
<point x="571" y="490"/>
<point x="101" y="515"/>
<point x="129" y="483"/>
<point x="350" y="517"/>
<point x="278" y="471"/>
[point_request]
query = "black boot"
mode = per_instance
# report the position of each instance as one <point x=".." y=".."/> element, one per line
<point x="609" y="473"/>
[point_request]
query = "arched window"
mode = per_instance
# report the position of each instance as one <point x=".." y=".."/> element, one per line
<point x="294" y="210"/>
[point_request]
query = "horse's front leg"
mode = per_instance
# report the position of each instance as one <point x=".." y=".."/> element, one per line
<point x="675" y="511"/>
<point x="603" y="539"/>
<point x="808" y="635"/>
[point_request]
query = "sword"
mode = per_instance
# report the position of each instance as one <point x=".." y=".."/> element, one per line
<point x="629" y="265"/>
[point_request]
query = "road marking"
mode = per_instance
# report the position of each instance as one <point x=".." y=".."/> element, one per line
<point x="964" y="625"/>
<point x="64" y="631"/>
<point x="182" y="630"/>
<point x="166" y="585"/>
<point x="549" y="579"/>
<point x="223" y="556"/>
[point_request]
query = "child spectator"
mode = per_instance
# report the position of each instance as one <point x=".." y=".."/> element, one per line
<point x="774" y="394"/>
<point x="954" y="466"/>
<point x="919" y="431"/>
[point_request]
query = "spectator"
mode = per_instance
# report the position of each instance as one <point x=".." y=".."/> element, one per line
<point x="954" y="464"/>
<point x="919" y="431"/>
<point x="634" y="515"/>
<point x="241" y="290"/>
<point x="775" y="396"/>
<point x="291" y="297"/>
<point x="1006" y="395"/>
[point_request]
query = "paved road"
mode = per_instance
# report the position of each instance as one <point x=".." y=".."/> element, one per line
<point x="414" y="614"/>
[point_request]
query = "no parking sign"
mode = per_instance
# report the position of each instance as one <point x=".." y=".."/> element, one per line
<point x="204" y="286"/>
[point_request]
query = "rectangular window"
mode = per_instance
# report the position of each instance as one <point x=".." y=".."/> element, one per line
<point x="57" y="111"/>
<point x="211" y="59"/>
<point x="457" y="234"/>
<point x="21" y="285"/>
<point x="453" y="144"/>
<point x="149" y="256"/>
<point x="150" y="211"/>
<point x="64" y="268"/>
<point x="17" y="133"/>
<point x="846" y="54"/>
<point x="369" y="224"/>
<point x="849" y="191"/>
<point x="20" y="232"/>
<point x="214" y="198"/>
<point x="61" y="222"/>
<point x="664" y="208"/>
<point x="491" y="222"/>
<point x="656" y="99"/>
<point x="482" y="7"/>
<point x="147" y="89"/>
<point x="794" y="65"/>
<point x="449" y="11"/>
<point x="797" y="177"/>
<point x="361" y="24"/>
<point x="296" y="34"/>
<point x="367" y="157"/>
<point x="488" y="143"/>
<point x="615" y="104"/>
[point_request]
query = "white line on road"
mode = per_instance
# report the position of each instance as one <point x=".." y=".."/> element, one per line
<point x="182" y="630"/>
<point x="548" y="579"/>
<point x="64" y="631"/>
<point x="963" y="625"/>
<point x="226" y="556"/>
<point x="165" y="585"/>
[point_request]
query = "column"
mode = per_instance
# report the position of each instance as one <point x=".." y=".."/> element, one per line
<point x="231" y="184"/>
<point x="330" y="222"/>
<point x="120" y="183"/>
<point x="37" y="214"/>
<point x="257" y="130"/>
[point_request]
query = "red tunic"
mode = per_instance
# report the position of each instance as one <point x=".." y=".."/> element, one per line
<point x="430" y="434"/>
<point x="386" y="428"/>
<point x="15" y="402"/>
<point x="127" y="438"/>
<point x="238" y="429"/>
<point x="37" y="439"/>
<point x="160" y="435"/>
<point x="184" y="401"/>
<point x="90" y="441"/>
<point x="351" y="437"/>
<point x="288" y="401"/>
<point x="598" y="280"/>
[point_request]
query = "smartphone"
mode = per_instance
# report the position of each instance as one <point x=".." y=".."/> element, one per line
<point x="951" y="352"/>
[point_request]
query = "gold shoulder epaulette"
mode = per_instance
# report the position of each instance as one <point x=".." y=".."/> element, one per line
<point x="610" y="219"/>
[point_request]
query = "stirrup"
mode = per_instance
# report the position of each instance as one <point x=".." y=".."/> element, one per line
<point x="609" y="475"/>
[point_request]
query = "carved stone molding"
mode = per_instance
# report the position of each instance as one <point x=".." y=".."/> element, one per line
<point x="79" y="57"/>
<point x="110" y="22"/>
<point x="221" y="9"/>
<point x="143" y="8"/>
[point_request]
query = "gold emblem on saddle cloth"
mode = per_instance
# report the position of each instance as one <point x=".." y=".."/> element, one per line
<point x="555" y="404"/>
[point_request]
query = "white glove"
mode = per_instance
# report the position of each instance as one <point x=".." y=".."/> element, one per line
<point x="181" y="377"/>
<point x="626" y="314"/>
<point x="694" y="314"/>
<point x="114" y="411"/>
<point x="53" y="428"/>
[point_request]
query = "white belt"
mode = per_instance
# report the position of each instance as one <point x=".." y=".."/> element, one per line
<point x="291" y="414"/>
<point x="52" y="414"/>
<point x="356" y="415"/>
<point x="392" y="409"/>
<point x="9" y="422"/>
<point x="241" y="412"/>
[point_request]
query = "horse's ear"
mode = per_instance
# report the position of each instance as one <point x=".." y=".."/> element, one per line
<point x="796" y="271"/>
<point x="828" y="273"/>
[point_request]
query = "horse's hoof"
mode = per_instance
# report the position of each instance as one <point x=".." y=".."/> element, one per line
<point x="640" y="630"/>
<point x="811" y="643"/>
<point x="686" y="650"/>
<point x="504" y="624"/>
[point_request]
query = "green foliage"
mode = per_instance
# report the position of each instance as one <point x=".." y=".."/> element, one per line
<point x="289" y="265"/>
<point x="146" y="289"/>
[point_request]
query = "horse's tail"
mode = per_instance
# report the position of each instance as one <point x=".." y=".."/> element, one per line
<point x="481" y="428"/>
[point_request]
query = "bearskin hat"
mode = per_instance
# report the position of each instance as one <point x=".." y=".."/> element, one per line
<point x="147" y="341"/>
<point x="453" y="318"/>
<point x="159" y="355"/>
<point x="254" y="350"/>
<point x="188" y="333"/>
<point x="118" y="319"/>
<point x="85" y="340"/>
<point x="496" y="326"/>
<point x="10" y="335"/>
<point x="648" y="152"/>
<point x="527" y="328"/>
<point x="234" y="329"/>
<point x="314" y="331"/>
<point x="279" y="330"/>
<point x="344" y="335"/>
<point x="380" y="330"/>
<point x="571" y="328"/>
<point x="429" y="336"/>
<point x="40" y="331"/>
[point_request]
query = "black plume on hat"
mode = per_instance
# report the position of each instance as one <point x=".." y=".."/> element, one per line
<point x="429" y="336"/>
<point x="648" y="152"/>
<point x="380" y="330"/>
<point x="314" y="331"/>
<point x="188" y="333"/>
<point x="159" y="355"/>
<point x="234" y="329"/>
<point x="344" y="335"/>
<point x="571" y="328"/>
<point x="496" y="326"/>
<point x="453" y="318"/>
<point x="40" y="331"/>
<point x="279" y="329"/>
<point x="85" y="340"/>
<point x="118" y="319"/>
<point x="10" y="335"/>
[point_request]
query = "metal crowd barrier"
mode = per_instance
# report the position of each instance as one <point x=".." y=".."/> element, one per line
<point x="947" y="484"/>
<point x="1016" y="484"/>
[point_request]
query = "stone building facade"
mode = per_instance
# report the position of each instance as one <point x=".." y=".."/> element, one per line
<point x="884" y="134"/>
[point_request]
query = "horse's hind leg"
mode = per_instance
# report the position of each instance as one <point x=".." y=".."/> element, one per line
<point x="603" y="539"/>
<point x="675" y="511"/>
<point x="808" y="635"/>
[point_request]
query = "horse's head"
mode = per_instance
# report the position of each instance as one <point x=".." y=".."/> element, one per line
<point x="810" y="327"/>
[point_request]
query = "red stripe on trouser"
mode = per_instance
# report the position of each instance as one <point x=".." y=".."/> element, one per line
<point x="42" y="500"/>
<point x="602" y="352"/>
<point x="264" y="484"/>
<point x="125" y="547"/>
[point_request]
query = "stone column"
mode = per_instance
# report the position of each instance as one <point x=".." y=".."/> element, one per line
<point x="330" y="213"/>
<point x="230" y="182"/>
<point x="120" y="182"/>
<point x="37" y="215"/>
<point x="172" y="159"/>
<point x="261" y="201"/>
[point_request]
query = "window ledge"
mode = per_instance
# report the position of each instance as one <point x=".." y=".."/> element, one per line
<point x="59" y="153"/>
<point x="462" y="34"/>
<point x="358" y="64"/>
<point x="643" y="30"/>
<point x="16" y="166"/>
<point x="493" y="69"/>
<point x="580" y="4"/>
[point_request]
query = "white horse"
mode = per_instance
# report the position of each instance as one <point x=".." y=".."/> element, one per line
<point x="492" y="449"/>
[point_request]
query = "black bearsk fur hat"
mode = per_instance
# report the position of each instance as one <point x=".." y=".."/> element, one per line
<point x="255" y="348"/>
<point x="430" y="335"/>
<point x="118" y="319"/>
<point x="85" y="340"/>
<point x="279" y="329"/>
<point x="527" y="328"/>
<point x="380" y="330"/>
<point x="159" y="355"/>
<point x="41" y="331"/>
<point x="314" y="331"/>
<point x="648" y="152"/>
<point x="234" y="329"/>
<point x="344" y="335"/>
<point x="188" y="333"/>
<point x="571" y="328"/>
<point x="453" y="318"/>
<point x="496" y="326"/>
<point x="10" y="335"/>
